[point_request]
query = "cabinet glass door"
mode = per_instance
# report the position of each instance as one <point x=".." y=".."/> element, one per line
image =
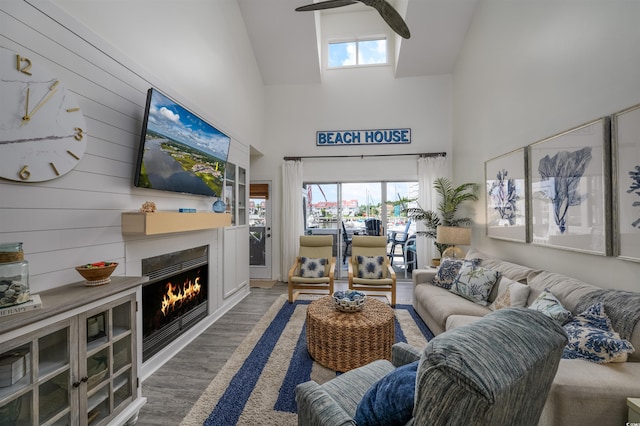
<point x="15" y="379"/>
<point x="35" y="379"/>
<point x="109" y="365"/>
<point x="230" y="191"/>
<point x="54" y="376"/>
<point x="242" y="193"/>
<point x="96" y="366"/>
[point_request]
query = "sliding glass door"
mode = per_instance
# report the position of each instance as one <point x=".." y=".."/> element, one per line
<point x="356" y="208"/>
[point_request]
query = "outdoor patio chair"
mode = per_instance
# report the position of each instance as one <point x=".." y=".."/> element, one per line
<point x="410" y="255"/>
<point x="314" y="268"/>
<point x="397" y="238"/>
<point x="346" y="241"/>
<point x="369" y="269"/>
<point x="373" y="226"/>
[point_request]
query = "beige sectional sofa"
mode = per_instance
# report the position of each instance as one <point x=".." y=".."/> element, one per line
<point x="583" y="392"/>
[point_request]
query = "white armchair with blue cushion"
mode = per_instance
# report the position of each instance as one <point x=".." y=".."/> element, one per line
<point x="315" y="267"/>
<point x="496" y="371"/>
<point x="369" y="269"/>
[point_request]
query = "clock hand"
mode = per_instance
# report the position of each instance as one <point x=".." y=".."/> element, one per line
<point x="25" y="118"/>
<point x="52" y="91"/>
<point x="26" y="108"/>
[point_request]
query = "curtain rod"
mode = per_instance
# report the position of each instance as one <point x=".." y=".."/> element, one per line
<point x="424" y="154"/>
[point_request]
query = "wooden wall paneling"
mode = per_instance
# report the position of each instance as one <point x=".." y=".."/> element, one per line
<point x="61" y="239"/>
<point x="76" y="218"/>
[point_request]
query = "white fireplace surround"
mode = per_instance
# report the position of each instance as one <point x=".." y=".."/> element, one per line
<point x="140" y="248"/>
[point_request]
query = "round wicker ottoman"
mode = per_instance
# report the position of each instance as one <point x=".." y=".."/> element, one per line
<point x="343" y="341"/>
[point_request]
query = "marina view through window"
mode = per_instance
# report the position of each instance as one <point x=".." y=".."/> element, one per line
<point x="347" y="209"/>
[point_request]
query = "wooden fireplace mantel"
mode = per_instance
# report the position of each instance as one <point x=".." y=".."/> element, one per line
<point x="137" y="223"/>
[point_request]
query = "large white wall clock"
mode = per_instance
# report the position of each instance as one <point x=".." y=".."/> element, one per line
<point x="43" y="134"/>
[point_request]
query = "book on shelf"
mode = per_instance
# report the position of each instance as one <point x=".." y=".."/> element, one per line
<point x="14" y="365"/>
<point x="33" y="303"/>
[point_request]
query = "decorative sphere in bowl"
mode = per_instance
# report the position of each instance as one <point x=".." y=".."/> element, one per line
<point x="97" y="273"/>
<point x="349" y="301"/>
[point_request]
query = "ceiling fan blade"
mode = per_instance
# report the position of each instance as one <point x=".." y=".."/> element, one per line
<point x="391" y="17"/>
<point x="328" y="4"/>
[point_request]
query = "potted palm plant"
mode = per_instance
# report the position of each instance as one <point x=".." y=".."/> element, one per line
<point x="450" y="199"/>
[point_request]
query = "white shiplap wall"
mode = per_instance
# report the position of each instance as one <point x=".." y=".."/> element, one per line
<point x="75" y="219"/>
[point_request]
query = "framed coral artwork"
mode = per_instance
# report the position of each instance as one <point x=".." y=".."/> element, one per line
<point x="570" y="189"/>
<point x="626" y="174"/>
<point x="506" y="183"/>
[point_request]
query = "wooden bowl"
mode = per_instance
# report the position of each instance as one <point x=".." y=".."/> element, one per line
<point x="97" y="275"/>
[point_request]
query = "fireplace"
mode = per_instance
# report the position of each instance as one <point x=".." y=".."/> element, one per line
<point x="175" y="297"/>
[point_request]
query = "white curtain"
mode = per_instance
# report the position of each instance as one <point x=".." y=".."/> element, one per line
<point x="429" y="168"/>
<point x="292" y="223"/>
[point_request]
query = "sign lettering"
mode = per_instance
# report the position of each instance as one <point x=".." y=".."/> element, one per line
<point x="363" y="137"/>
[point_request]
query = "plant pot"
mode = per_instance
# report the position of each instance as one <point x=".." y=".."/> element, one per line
<point x="435" y="262"/>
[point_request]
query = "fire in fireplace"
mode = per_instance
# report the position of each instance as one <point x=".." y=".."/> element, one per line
<point x="175" y="297"/>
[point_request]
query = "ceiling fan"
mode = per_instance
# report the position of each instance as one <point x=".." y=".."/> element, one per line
<point x="388" y="13"/>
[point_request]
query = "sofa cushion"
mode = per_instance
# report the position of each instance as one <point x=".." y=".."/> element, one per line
<point x="475" y="282"/>
<point x="549" y="305"/>
<point x="455" y="321"/>
<point x="586" y="393"/>
<point x="390" y="400"/>
<point x="592" y="337"/>
<point x="436" y="304"/>
<point x="569" y="291"/>
<point x="370" y="266"/>
<point x="515" y="296"/>
<point x="510" y="270"/>
<point x="311" y="267"/>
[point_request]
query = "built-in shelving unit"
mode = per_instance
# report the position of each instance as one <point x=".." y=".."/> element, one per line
<point x="236" y="237"/>
<point x="138" y="223"/>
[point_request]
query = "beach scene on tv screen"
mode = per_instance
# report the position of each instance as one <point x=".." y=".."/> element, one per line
<point x="182" y="153"/>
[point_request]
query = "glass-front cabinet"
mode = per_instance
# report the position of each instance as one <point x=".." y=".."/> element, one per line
<point x="236" y="243"/>
<point x="78" y="371"/>
<point x="235" y="193"/>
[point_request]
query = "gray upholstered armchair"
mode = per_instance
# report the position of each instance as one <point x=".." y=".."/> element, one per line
<point x="497" y="371"/>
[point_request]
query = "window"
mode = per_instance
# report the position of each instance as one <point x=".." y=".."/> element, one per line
<point x="357" y="53"/>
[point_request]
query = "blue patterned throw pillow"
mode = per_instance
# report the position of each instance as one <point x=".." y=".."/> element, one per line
<point x="475" y="283"/>
<point x="312" y="267"/>
<point x="370" y="266"/>
<point x="390" y="400"/>
<point x="549" y="305"/>
<point x="592" y="338"/>
<point x="448" y="271"/>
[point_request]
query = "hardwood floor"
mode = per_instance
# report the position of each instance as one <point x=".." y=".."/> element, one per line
<point x="175" y="387"/>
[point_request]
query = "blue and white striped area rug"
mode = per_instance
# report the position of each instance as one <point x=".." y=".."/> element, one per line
<point x="257" y="384"/>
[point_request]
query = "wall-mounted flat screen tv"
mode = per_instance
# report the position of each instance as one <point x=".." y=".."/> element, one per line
<point x="179" y="151"/>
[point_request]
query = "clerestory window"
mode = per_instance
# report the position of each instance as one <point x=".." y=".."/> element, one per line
<point x="359" y="52"/>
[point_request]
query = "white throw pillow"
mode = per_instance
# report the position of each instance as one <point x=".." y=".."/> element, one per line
<point x="515" y="296"/>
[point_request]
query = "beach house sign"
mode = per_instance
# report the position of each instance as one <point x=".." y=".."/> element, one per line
<point x="363" y="137"/>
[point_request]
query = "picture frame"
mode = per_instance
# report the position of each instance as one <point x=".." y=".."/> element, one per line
<point x="570" y="189"/>
<point x="626" y="182"/>
<point x="505" y="196"/>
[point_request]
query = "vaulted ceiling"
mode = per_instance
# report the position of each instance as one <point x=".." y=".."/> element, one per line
<point x="285" y="42"/>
